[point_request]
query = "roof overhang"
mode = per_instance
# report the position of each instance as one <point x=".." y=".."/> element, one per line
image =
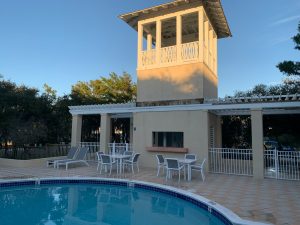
<point x="292" y="107"/>
<point x="213" y="9"/>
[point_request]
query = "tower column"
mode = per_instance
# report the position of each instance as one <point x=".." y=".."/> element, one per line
<point x="140" y="42"/>
<point x="179" y="37"/>
<point x="206" y="30"/>
<point x="158" y="40"/>
<point x="201" y="33"/>
<point x="210" y="48"/>
<point x="149" y="42"/>
<point x="215" y="53"/>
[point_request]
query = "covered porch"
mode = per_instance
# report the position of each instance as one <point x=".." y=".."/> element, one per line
<point x="201" y="128"/>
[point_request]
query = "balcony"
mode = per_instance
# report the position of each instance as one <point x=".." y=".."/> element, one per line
<point x="177" y="55"/>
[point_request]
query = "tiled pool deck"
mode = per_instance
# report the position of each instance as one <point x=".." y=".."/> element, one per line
<point x="273" y="201"/>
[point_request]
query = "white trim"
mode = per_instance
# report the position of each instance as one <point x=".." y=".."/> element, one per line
<point x="131" y="108"/>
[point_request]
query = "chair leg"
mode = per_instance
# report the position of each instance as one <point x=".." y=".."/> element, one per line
<point x="132" y="168"/>
<point x="110" y="170"/>
<point x="101" y="169"/>
<point x="179" y="175"/>
<point x="137" y="165"/>
<point x="203" y="176"/>
<point x="158" y="168"/>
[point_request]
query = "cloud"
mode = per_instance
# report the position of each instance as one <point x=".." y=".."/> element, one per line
<point x="285" y="20"/>
<point x="277" y="41"/>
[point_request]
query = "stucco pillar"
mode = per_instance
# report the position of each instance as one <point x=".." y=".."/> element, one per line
<point x="204" y="136"/>
<point x="149" y="42"/>
<point x="179" y="37"/>
<point x="257" y="143"/>
<point x="158" y="41"/>
<point x="201" y="33"/>
<point x="140" y="43"/>
<point x="105" y="132"/>
<point x="76" y="130"/>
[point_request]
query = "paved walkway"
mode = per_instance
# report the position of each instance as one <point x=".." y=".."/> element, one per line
<point x="273" y="201"/>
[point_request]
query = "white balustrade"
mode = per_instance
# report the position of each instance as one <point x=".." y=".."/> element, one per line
<point x="168" y="54"/>
<point x="190" y="51"/>
<point x="148" y="57"/>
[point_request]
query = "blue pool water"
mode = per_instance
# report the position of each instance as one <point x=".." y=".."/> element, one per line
<point x="83" y="204"/>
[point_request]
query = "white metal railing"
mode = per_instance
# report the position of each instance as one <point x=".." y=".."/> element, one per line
<point x="114" y="148"/>
<point x="190" y="51"/>
<point x="93" y="148"/>
<point x="168" y="54"/>
<point x="231" y="161"/>
<point x="282" y="164"/>
<point x="148" y="57"/>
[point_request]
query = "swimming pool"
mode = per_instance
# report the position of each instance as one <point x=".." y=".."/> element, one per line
<point x="104" y="201"/>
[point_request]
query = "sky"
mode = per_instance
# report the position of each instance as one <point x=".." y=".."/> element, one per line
<point x="61" y="42"/>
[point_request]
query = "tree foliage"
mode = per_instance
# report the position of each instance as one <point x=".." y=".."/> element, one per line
<point x="30" y="117"/>
<point x="290" y="67"/>
<point x="114" y="89"/>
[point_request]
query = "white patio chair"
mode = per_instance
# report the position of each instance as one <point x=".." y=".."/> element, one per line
<point x="107" y="161"/>
<point x="129" y="153"/>
<point x="173" y="165"/>
<point x="190" y="156"/>
<point x="71" y="155"/>
<point x="200" y="168"/>
<point x="99" y="158"/>
<point x="133" y="161"/>
<point x="160" y="163"/>
<point x="79" y="158"/>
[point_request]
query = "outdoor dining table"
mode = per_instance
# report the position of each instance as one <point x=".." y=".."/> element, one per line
<point x="188" y="163"/>
<point x="119" y="158"/>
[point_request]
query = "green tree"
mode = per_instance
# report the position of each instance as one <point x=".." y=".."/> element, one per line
<point x="114" y="89"/>
<point x="290" y="67"/>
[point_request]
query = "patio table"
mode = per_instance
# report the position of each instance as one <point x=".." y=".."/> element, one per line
<point x="188" y="163"/>
<point x="120" y="158"/>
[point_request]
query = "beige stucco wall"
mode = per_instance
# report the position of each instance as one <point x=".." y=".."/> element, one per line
<point x="194" y="124"/>
<point x="187" y="81"/>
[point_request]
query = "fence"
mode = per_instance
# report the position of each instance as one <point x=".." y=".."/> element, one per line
<point x="231" y="161"/>
<point x="282" y="164"/>
<point x="119" y="147"/>
<point x="93" y="148"/>
<point x="27" y="153"/>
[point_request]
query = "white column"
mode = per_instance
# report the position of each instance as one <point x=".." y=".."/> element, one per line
<point x="158" y="41"/>
<point x="105" y="132"/>
<point x="201" y="33"/>
<point x="76" y="130"/>
<point x="206" y="30"/>
<point x="210" y="48"/>
<point x="257" y="143"/>
<point x="216" y="53"/>
<point x="140" y="43"/>
<point x="149" y="42"/>
<point x="179" y="37"/>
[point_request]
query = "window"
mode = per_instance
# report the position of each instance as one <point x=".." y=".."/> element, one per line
<point x="167" y="139"/>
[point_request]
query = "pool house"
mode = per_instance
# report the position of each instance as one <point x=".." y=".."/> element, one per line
<point x="177" y="110"/>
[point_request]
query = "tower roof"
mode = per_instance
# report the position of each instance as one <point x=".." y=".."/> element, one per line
<point x="213" y="9"/>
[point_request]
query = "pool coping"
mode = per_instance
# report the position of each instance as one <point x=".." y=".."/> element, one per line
<point x="224" y="214"/>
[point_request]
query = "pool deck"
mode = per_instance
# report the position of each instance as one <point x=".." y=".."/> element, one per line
<point x="269" y="200"/>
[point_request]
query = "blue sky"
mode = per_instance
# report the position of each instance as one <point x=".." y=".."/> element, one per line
<point x="60" y="42"/>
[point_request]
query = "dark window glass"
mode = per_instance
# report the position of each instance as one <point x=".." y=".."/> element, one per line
<point x="167" y="139"/>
